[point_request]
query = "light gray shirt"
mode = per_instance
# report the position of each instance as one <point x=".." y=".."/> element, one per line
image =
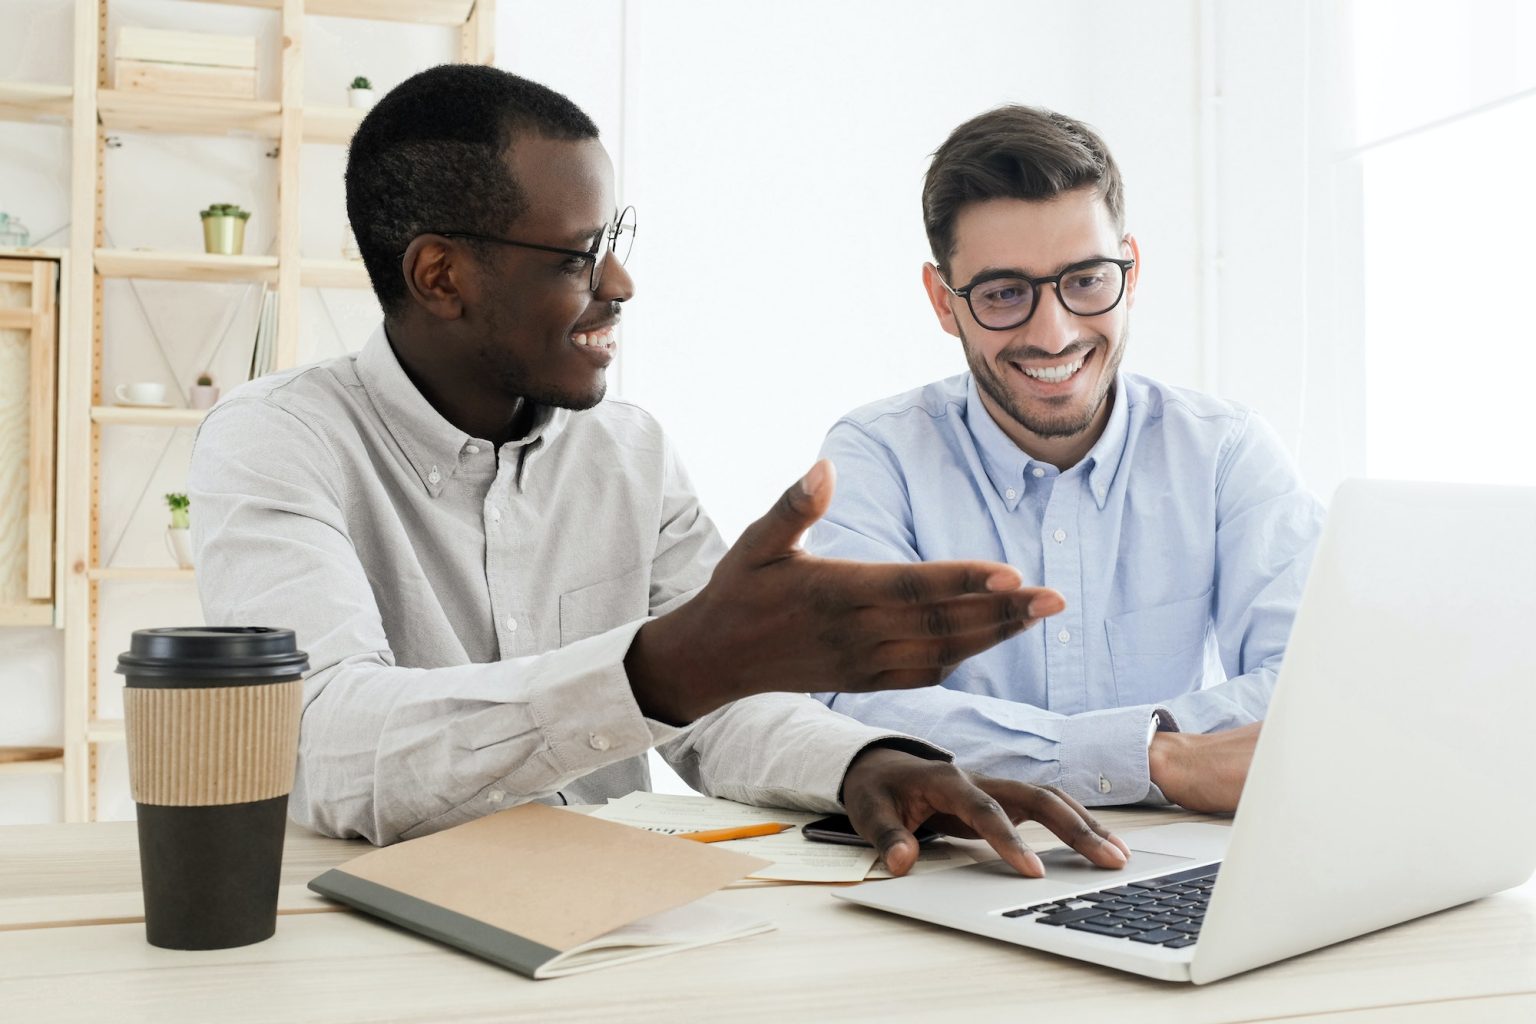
<point x="467" y="610"/>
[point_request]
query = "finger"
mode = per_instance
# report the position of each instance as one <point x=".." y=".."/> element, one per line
<point x="1053" y="810"/>
<point x="878" y="820"/>
<point x="958" y="797"/>
<point x="966" y="614"/>
<point x="919" y="583"/>
<point x="941" y="653"/>
<point x="1092" y="822"/>
<point x="778" y="532"/>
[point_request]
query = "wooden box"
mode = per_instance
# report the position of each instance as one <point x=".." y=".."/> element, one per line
<point x="186" y="63"/>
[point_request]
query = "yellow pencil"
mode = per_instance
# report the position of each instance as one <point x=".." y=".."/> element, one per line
<point x="720" y="835"/>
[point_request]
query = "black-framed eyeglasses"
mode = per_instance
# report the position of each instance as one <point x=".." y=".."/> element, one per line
<point x="1001" y="301"/>
<point x="616" y="240"/>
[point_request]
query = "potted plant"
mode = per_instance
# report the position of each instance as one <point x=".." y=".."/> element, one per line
<point x="204" y="393"/>
<point x="224" y="228"/>
<point x="178" y="536"/>
<point x="360" y="93"/>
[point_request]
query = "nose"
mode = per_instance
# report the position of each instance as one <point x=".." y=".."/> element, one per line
<point x="1052" y="327"/>
<point x="616" y="285"/>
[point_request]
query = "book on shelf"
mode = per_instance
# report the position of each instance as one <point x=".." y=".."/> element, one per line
<point x="263" y="353"/>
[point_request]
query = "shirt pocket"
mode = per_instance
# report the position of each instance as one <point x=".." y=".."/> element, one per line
<point x="1159" y="653"/>
<point x="599" y="607"/>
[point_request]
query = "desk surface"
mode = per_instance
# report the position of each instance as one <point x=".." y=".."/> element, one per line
<point x="828" y="961"/>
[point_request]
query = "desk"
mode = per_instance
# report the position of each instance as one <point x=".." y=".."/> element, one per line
<point x="828" y="961"/>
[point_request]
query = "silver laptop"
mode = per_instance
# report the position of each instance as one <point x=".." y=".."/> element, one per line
<point x="1381" y="789"/>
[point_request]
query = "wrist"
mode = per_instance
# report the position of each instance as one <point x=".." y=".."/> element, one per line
<point x="661" y="675"/>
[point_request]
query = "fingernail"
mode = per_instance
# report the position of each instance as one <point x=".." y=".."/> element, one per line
<point x="1118" y="853"/>
<point x="811" y="482"/>
<point x="1035" y="864"/>
<point x="1004" y="580"/>
<point x="1044" y="605"/>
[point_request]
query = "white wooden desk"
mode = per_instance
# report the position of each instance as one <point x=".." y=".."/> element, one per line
<point x="828" y="961"/>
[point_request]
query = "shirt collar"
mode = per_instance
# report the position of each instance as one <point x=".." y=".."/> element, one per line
<point x="433" y="446"/>
<point x="1010" y="469"/>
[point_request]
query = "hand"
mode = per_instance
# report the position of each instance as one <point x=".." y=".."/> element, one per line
<point x="775" y="618"/>
<point x="888" y="793"/>
<point x="1203" y="772"/>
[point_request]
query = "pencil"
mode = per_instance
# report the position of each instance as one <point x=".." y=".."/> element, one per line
<point x="720" y="835"/>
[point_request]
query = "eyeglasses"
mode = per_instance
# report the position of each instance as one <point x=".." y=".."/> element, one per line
<point x="616" y="240"/>
<point x="1002" y="301"/>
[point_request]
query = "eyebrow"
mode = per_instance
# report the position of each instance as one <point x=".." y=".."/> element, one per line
<point x="584" y="239"/>
<point x="995" y="271"/>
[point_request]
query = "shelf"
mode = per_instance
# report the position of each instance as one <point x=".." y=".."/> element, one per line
<point x="127" y="414"/>
<point x="187" y="115"/>
<point x="105" y="730"/>
<point x="21" y="101"/>
<point x="185" y="266"/>
<point x="419" y="12"/>
<point x="331" y="124"/>
<point x="144" y="575"/>
<point x="44" y="766"/>
<point x="333" y="274"/>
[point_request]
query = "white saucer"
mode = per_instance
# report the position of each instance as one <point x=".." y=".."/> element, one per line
<point x="144" y="405"/>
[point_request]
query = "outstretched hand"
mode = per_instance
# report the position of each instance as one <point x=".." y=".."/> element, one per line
<point x="773" y="617"/>
<point x="888" y="793"/>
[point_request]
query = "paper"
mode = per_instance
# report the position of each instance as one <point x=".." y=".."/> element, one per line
<point x="795" y="858"/>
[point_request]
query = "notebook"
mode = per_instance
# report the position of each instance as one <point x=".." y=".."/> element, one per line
<point x="549" y="892"/>
<point x="1381" y="788"/>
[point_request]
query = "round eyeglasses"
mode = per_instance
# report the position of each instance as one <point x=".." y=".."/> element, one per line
<point x="1001" y="301"/>
<point x="616" y="239"/>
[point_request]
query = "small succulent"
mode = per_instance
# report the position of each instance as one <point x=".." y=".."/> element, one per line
<point x="205" y="380"/>
<point x="225" y="210"/>
<point x="361" y="83"/>
<point x="179" y="505"/>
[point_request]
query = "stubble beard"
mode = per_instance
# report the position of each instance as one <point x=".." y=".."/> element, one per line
<point x="1041" y="421"/>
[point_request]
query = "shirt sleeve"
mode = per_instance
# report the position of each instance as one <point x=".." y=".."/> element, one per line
<point x="774" y="749"/>
<point x="386" y="752"/>
<point x="1267" y="528"/>
<point x="1099" y="757"/>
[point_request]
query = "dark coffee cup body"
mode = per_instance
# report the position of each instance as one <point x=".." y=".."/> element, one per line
<point x="212" y="722"/>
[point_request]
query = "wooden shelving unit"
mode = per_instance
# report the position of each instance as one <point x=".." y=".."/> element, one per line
<point x="93" y="111"/>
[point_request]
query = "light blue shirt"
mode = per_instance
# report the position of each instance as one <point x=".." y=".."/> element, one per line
<point x="1180" y="542"/>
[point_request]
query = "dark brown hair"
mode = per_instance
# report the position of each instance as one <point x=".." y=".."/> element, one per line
<point x="1014" y="152"/>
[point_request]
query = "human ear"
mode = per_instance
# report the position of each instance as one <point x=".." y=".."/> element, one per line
<point x="941" y="298"/>
<point x="435" y="271"/>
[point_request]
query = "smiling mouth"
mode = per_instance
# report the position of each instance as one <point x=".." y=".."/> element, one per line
<point x="1056" y="373"/>
<point x="601" y="338"/>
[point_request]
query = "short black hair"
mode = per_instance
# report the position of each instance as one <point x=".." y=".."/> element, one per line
<point x="1014" y="152"/>
<point x="430" y="156"/>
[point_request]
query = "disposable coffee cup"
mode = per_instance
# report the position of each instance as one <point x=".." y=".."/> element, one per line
<point x="212" y="717"/>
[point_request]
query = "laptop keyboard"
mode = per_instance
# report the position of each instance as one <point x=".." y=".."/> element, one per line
<point x="1164" y="911"/>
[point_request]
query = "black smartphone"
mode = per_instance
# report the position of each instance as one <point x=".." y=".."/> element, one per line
<point x="836" y="828"/>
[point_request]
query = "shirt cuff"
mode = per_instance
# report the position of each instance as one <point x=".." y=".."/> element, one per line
<point x="1103" y="754"/>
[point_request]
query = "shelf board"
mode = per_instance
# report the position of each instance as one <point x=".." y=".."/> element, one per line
<point x="187" y="115"/>
<point x="51" y="766"/>
<point x="333" y="274"/>
<point x="147" y="574"/>
<point x="419" y="12"/>
<point x="185" y="266"/>
<point x="22" y="101"/>
<point x="105" y="730"/>
<point x="331" y="124"/>
<point x="139" y="416"/>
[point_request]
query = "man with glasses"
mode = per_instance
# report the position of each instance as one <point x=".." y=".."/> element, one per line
<point x="1172" y="522"/>
<point x="506" y="586"/>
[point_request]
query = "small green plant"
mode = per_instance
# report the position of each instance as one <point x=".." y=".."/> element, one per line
<point x="205" y="380"/>
<point x="225" y="210"/>
<point x="361" y="83"/>
<point x="179" y="505"/>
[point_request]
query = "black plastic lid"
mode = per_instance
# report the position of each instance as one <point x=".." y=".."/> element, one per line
<point x="211" y="656"/>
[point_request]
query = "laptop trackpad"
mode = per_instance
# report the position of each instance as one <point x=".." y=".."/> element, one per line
<point x="1065" y="868"/>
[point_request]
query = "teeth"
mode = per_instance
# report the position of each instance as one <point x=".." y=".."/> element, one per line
<point x="597" y="339"/>
<point x="1053" y="374"/>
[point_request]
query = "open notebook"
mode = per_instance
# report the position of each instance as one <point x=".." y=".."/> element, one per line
<point x="548" y="892"/>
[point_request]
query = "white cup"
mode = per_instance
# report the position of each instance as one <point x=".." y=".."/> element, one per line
<point x="146" y="392"/>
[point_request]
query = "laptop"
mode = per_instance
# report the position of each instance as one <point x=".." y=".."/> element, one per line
<point x="1388" y="781"/>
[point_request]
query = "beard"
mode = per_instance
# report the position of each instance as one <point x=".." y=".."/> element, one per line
<point x="1051" y="418"/>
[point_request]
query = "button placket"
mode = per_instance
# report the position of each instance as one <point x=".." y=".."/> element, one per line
<point x="1065" y="654"/>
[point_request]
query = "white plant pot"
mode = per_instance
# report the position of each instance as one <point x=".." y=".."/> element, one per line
<point x="178" y="541"/>
<point x="360" y="99"/>
<point x="202" y="396"/>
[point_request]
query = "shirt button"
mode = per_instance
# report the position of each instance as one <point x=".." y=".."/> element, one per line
<point x="1010" y="494"/>
<point x="1060" y="535"/>
<point x="495" y="796"/>
<point x="1064" y="636"/>
<point x="495" y="515"/>
<point x="471" y="449"/>
<point x="598" y="741"/>
<point x="1104" y="786"/>
<point x="1037" y="472"/>
<point x="434" y="476"/>
<point x="511" y="624"/>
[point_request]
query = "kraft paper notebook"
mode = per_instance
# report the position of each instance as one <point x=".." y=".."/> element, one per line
<point x="549" y="892"/>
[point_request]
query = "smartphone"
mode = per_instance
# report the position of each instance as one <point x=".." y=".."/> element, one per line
<point x="836" y="828"/>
